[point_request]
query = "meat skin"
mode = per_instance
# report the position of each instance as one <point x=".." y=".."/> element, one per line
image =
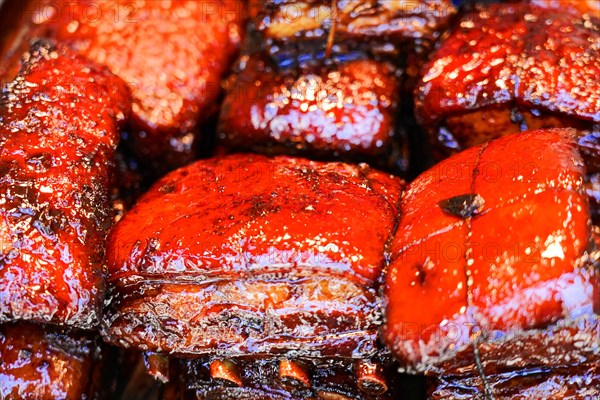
<point x="514" y="273"/>
<point x="247" y="255"/>
<point x="59" y="128"/>
<point x="591" y="7"/>
<point x="346" y="109"/>
<point x="172" y="54"/>
<point x="498" y="73"/>
<point x="313" y="85"/>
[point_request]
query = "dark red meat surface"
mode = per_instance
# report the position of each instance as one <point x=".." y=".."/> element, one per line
<point x="172" y="54"/>
<point x="249" y="255"/>
<point x="48" y="364"/>
<point x="348" y="108"/>
<point x="575" y="383"/>
<point x="493" y="263"/>
<point x="59" y="128"/>
<point x="506" y="68"/>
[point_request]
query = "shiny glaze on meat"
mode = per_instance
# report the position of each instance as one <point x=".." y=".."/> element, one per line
<point x="493" y="263"/>
<point x="574" y="383"/>
<point x="348" y="108"/>
<point x="40" y="363"/>
<point x="313" y="85"/>
<point x="398" y="20"/>
<point x="246" y="255"/>
<point x="59" y="128"/>
<point x="498" y="72"/>
<point x="171" y="53"/>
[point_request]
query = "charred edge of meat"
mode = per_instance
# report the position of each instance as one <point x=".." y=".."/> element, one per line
<point x="581" y="381"/>
<point x="466" y="129"/>
<point x="462" y="206"/>
<point x="289" y="377"/>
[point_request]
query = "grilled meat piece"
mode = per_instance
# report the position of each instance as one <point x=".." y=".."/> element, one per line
<point x="493" y="264"/>
<point x="171" y="53"/>
<point x="43" y="363"/>
<point x="250" y="255"/>
<point x="574" y="383"/>
<point x="324" y="79"/>
<point x="348" y="108"/>
<point x="354" y="19"/>
<point x="498" y="72"/>
<point x="245" y="258"/>
<point x="59" y="128"/>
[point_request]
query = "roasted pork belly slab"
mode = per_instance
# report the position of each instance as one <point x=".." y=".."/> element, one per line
<point x="574" y="383"/>
<point x="250" y="255"/>
<point x="171" y="53"/>
<point x="498" y="72"/>
<point x="44" y="363"/>
<point x="324" y="79"/>
<point x="344" y="108"/>
<point x="59" y="128"/>
<point x="493" y="264"/>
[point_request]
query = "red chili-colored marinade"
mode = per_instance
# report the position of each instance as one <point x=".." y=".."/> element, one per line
<point x="493" y="265"/>
<point x="59" y="129"/>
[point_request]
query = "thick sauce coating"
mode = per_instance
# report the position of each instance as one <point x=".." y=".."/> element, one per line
<point x="348" y="108"/>
<point x="46" y="364"/>
<point x="59" y="128"/>
<point x="248" y="255"/>
<point x="574" y="383"/>
<point x="325" y="82"/>
<point x="490" y="261"/>
<point x="171" y="53"/>
<point x="498" y="72"/>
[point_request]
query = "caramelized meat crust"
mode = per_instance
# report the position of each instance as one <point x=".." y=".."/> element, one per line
<point x="324" y="79"/>
<point x="251" y="255"/>
<point x="399" y="20"/>
<point x="497" y="73"/>
<point x="574" y="383"/>
<point x="347" y="108"/>
<point x="59" y="128"/>
<point x="171" y="53"/>
<point x="41" y="363"/>
<point x="493" y="263"/>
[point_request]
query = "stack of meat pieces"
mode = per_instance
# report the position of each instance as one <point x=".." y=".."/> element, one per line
<point x="250" y="257"/>
<point x="268" y="276"/>
<point x="496" y="247"/>
<point x="172" y="55"/>
<point x="59" y="129"/>
<point x="325" y="78"/>
<point x="61" y="118"/>
<point x="498" y="73"/>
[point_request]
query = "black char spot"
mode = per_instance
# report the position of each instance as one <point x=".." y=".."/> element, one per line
<point x="462" y="206"/>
